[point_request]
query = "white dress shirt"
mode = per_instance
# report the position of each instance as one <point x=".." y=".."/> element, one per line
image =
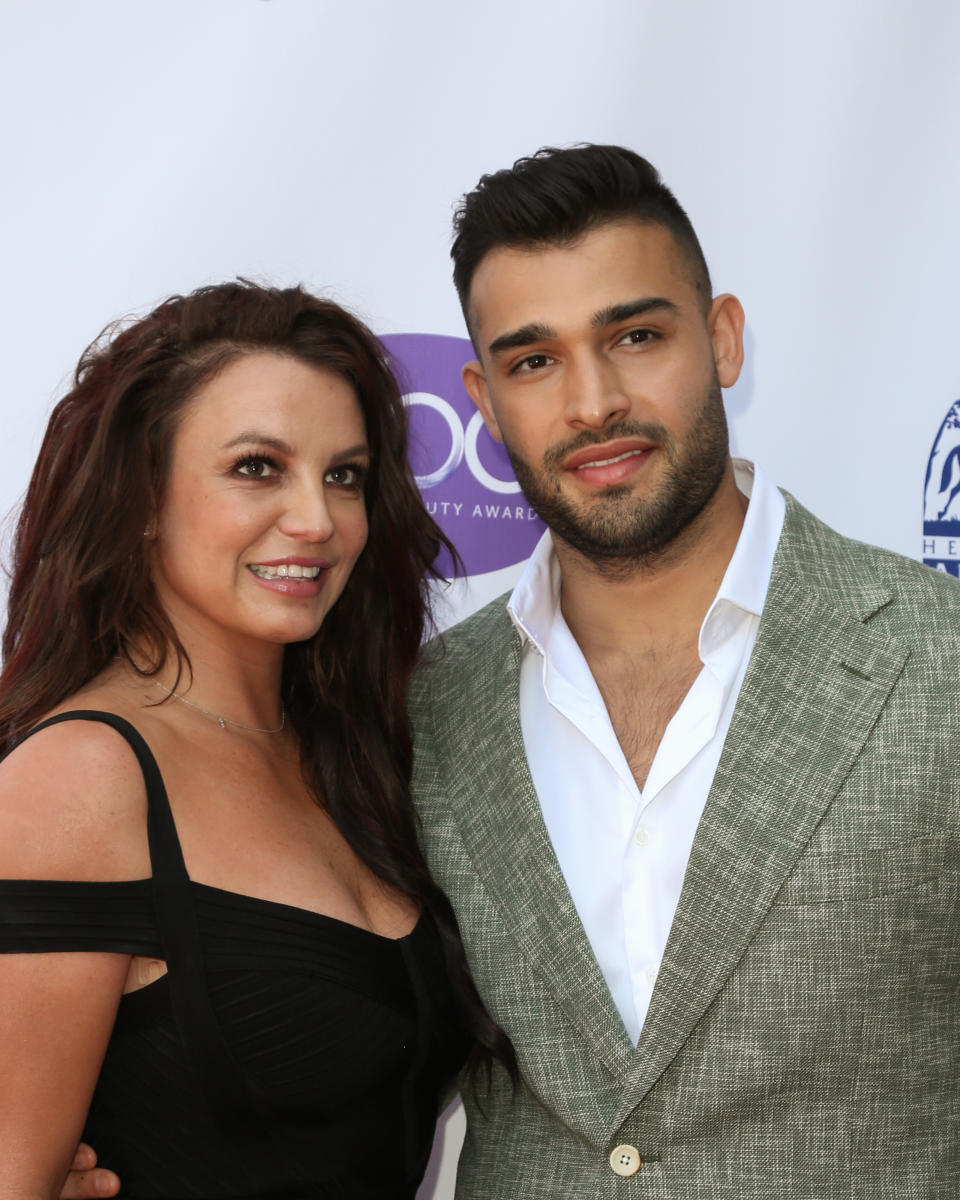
<point x="623" y="851"/>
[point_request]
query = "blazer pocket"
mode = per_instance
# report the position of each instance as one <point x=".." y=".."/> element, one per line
<point x="862" y="874"/>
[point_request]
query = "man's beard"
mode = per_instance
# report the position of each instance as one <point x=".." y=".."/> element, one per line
<point x="617" y="531"/>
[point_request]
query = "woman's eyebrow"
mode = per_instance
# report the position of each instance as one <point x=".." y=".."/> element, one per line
<point x="262" y="439"/>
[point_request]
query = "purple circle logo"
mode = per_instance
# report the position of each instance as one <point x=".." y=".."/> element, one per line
<point x="464" y="476"/>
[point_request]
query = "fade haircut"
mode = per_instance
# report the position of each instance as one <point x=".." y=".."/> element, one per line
<point x="555" y="196"/>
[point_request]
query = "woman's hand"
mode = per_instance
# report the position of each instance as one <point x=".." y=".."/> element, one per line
<point x="84" y="1181"/>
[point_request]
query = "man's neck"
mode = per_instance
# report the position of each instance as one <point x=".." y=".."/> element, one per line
<point x="660" y="604"/>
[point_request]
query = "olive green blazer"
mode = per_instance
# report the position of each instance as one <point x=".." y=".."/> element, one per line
<point x="803" y="1035"/>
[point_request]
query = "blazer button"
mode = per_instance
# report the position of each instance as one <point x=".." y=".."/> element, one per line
<point x="625" y="1160"/>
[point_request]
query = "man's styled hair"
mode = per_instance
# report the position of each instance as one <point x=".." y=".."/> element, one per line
<point x="557" y="195"/>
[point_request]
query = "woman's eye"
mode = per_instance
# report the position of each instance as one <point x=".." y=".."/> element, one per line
<point x="256" y="466"/>
<point x="348" y="475"/>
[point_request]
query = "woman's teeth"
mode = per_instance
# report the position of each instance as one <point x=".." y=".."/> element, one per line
<point x="285" y="571"/>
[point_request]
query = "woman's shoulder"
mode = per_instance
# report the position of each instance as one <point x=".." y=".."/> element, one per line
<point x="73" y="803"/>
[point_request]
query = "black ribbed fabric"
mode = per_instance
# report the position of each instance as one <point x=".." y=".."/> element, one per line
<point x="284" y="1054"/>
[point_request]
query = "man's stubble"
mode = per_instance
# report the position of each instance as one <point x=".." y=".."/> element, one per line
<point x="619" y="532"/>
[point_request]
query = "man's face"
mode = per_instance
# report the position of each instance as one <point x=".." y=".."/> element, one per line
<point x="600" y="371"/>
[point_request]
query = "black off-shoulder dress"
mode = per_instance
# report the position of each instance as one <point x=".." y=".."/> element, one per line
<point x="284" y="1054"/>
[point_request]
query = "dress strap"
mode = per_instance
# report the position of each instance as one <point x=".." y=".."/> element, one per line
<point x="230" y="1094"/>
<point x="166" y="857"/>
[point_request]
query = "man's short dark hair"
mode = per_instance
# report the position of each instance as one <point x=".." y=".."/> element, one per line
<point x="555" y="196"/>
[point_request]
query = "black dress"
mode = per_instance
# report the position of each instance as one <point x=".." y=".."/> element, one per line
<point x="284" y="1053"/>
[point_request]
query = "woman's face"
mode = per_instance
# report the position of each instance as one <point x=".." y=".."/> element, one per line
<point x="263" y="515"/>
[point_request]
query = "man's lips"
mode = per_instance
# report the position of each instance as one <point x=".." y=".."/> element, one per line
<point x="607" y="454"/>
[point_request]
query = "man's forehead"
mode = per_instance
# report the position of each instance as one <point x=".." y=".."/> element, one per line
<point x="612" y="264"/>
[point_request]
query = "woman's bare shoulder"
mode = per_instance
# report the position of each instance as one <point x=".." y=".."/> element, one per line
<point x="73" y="806"/>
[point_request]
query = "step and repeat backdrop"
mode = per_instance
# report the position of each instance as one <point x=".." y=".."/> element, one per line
<point x="151" y="147"/>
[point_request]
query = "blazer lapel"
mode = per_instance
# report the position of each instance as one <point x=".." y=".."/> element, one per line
<point x="511" y="850"/>
<point x="816" y="682"/>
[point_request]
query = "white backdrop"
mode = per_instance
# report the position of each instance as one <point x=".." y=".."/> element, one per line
<point x="154" y="145"/>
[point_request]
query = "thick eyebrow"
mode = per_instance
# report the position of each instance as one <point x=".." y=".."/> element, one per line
<point x="524" y="336"/>
<point x="632" y="308"/>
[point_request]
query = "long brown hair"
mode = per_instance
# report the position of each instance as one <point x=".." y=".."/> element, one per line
<point x="81" y="592"/>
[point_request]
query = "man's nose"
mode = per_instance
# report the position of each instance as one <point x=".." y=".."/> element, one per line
<point x="595" y="393"/>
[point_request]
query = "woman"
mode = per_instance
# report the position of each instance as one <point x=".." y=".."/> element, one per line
<point x="224" y="962"/>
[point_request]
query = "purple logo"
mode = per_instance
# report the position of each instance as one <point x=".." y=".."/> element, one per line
<point x="941" y="497"/>
<point x="464" y="476"/>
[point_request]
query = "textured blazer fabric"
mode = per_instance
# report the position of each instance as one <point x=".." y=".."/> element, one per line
<point x="802" y="1039"/>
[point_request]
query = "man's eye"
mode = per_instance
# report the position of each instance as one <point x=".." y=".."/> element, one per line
<point x="255" y="466"/>
<point x="533" y="362"/>
<point x="637" y="337"/>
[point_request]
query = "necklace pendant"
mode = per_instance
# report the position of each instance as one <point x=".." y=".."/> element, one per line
<point x="223" y="722"/>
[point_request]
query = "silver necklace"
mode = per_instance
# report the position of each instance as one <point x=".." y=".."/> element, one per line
<point x="222" y="721"/>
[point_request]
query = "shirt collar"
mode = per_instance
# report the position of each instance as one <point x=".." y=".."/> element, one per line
<point x="535" y="601"/>
<point x="743" y="589"/>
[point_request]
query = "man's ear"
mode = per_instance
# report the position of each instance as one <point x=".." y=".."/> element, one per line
<point x="725" y="322"/>
<point x="475" y="381"/>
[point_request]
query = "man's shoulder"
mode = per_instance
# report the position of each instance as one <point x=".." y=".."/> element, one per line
<point x="867" y="578"/>
<point x="452" y="657"/>
<point x="473" y="636"/>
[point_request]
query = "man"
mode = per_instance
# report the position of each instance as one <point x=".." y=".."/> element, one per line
<point x="693" y="789"/>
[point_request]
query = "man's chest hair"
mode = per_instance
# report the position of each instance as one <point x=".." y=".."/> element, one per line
<point x="641" y="695"/>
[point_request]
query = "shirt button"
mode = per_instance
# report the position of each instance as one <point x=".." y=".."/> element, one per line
<point x="625" y="1160"/>
<point x="641" y="837"/>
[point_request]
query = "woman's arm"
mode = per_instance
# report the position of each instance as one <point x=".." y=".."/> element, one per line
<point x="56" y="1014"/>
<point x="71" y="808"/>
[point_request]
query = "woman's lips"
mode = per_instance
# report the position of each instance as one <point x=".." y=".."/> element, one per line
<point x="296" y="576"/>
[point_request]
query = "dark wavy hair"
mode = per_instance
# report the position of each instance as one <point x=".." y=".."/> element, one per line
<point x="81" y="591"/>
<point x="555" y="196"/>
